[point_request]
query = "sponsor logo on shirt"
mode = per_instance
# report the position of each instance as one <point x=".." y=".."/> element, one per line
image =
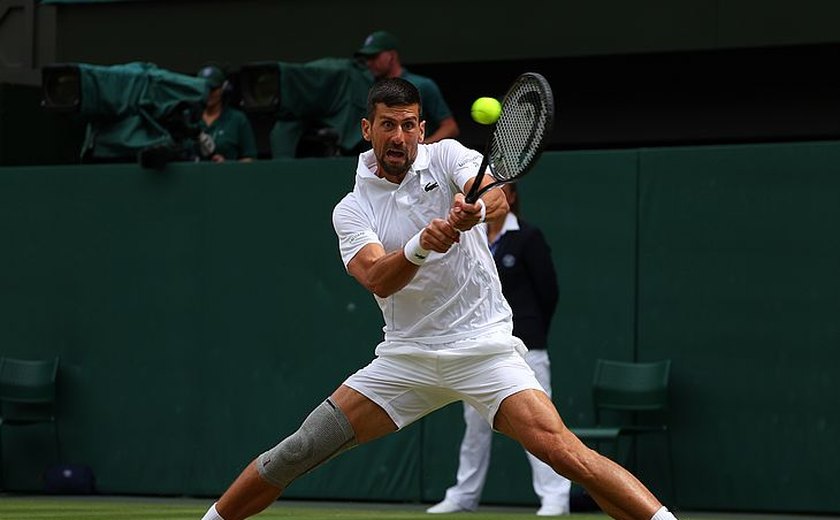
<point x="430" y="186"/>
<point x="357" y="237"/>
<point x="473" y="159"/>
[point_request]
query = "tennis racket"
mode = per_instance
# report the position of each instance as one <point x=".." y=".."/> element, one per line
<point x="517" y="137"/>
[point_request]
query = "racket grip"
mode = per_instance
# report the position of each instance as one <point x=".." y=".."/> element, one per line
<point x="472" y="196"/>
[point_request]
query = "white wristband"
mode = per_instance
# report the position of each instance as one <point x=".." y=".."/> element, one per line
<point x="483" y="210"/>
<point x="413" y="252"/>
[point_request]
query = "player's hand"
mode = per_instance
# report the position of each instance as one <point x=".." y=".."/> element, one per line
<point x="464" y="216"/>
<point x="439" y="236"/>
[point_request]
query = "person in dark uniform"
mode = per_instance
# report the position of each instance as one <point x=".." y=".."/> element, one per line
<point x="529" y="283"/>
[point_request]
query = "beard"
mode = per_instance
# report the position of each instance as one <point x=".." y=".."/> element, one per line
<point x="396" y="168"/>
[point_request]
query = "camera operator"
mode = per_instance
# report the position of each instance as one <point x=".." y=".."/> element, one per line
<point x="230" y="134"/>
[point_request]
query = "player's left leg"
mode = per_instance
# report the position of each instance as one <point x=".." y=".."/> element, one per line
<point x="530" y="417"/>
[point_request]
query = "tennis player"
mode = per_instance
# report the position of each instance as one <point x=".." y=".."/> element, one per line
<point x="407" y="235"/>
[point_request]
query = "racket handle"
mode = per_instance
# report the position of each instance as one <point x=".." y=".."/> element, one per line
<point x="472" y="196"/>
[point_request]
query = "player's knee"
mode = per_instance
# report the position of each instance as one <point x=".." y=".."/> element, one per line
<point x="325" y="433"/>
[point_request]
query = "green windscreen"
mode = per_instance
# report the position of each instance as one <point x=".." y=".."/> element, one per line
<point x="205" y="309"/>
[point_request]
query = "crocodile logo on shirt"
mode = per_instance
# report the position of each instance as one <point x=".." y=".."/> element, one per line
<point x="430" y="186"/>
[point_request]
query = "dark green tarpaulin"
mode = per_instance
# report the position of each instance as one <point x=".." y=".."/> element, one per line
<point x="127" y="104"/>
<point x="329" y="91"/>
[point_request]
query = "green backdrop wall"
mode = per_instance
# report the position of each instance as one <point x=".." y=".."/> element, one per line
<point x="201" y="312"/>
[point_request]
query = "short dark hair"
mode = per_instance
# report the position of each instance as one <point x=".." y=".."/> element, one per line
<point x="392" y="92"/>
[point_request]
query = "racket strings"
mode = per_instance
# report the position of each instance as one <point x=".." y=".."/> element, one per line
<point x="520" y="130"/>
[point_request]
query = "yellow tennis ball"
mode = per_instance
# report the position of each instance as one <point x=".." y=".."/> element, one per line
<point x="486" y="110"/>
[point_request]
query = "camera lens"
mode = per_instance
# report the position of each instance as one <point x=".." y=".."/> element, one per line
<point x="62" y="88"/>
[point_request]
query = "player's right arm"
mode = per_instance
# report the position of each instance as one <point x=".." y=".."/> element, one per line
<point x="383" y="273"/>
<point x="379" y="272"/>
<point x="386" y="273"/>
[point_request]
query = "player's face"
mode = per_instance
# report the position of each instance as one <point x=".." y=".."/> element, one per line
<point x="394" y="135"/>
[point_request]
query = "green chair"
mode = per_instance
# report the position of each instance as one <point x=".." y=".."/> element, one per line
<point x="27" y="396"/>
<point x="630" y="400"/>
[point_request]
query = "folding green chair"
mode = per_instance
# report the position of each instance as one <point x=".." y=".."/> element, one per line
<point x="628" y="393"/>
<point x="27" y="396"/>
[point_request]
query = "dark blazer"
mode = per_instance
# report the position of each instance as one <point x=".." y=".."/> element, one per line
<point x="529" y="282"/>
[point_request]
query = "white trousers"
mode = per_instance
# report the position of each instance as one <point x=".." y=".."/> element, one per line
<point x="474" y="458"/>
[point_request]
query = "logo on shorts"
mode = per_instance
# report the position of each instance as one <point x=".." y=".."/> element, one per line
<point x="430" y="186"/>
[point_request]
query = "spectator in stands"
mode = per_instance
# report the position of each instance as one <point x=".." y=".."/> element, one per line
<point x="529" y="284"/>
<point x="381" y="53"/>
<point x="228" y="128"/>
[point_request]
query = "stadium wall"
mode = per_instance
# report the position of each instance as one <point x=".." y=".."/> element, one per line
<point x="202" y="311"/>
<point x="188" y="32"/>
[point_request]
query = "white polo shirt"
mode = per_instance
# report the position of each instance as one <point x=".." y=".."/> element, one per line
<point x="454" y="296"/>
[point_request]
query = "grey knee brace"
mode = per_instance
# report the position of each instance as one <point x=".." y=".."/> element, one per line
<point x="322" y="436"/>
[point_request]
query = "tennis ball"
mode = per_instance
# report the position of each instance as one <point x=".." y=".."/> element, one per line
<point x="486" y="110"/>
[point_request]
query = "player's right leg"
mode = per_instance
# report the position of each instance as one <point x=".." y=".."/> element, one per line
<point x="344" y="420"/>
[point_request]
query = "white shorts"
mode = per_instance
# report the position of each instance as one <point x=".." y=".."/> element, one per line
<point x="409" y="387"/>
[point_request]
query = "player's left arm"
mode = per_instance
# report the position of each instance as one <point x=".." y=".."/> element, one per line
<point x="463" y="163"/>
<point x="465" y="216"/>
